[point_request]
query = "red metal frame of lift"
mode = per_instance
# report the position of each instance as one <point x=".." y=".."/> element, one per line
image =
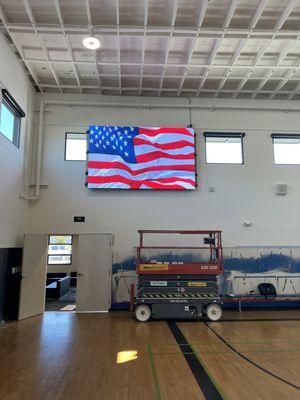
<point x="207" y="268"/>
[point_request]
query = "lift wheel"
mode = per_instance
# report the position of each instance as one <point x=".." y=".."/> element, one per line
<point x="143" y="312"/>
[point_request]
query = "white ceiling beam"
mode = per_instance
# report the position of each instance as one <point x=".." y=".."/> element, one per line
<point x="169" y="42"/>
<point x="88" y="12"/>
<point x="117" y="5"/>
<point x="280" y="58"/>
<point x="262" y="82"/>
<point x="75" y="69"/>
<point x="296" y="91"/>
<point x="67" y="42"/>
<point x="236" y="77"/>
<point x="285" y="14"/>
<point x="97" y="73"/>
<point x="254" y="20"/>
<point x="146" y="12"/>
<point x="155" y="89"/>
<point x="230" y="13"/>
<point x="278" y="25"/>
<point x="280" y="84"/>
<point x="218" y="41"/>
<point x="233" y="63"/>
<point x="189" y="58"/>
<point x="41" y="41"/>
<point x="90" y="24"/>
<point x="201" y="15"/>
<point x="20" y="50"/>
<point x="281" y="55"/>
<point x="258" y="58"/>
<point x="209" y="62"/>
<point x="258" y="12"/>
<point x="195" y="65"/>
<point x="124" y="30"/>
<point x="65" y="86"/>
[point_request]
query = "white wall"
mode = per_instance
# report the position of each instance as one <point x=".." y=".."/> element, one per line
<point x="13" y="208"/>
<point x="242" y="192"/>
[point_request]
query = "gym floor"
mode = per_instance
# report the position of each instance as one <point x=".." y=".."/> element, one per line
<point x="69" y="356"/>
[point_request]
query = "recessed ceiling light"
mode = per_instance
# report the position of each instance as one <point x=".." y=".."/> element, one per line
<point x="91" y="43"/>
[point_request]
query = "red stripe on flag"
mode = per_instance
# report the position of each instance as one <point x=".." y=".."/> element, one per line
<point x="154" y="132"/>
<point x="159" y="154"/>
<point x="164" y="146"/>
<point x="156" y="185"/>
<point x="119" y="165"/>
<point x="137" y="184"/>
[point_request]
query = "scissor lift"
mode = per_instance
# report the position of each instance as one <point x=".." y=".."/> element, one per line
<point x="179" y="282"/>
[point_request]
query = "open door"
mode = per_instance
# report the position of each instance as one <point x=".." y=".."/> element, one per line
<point x="32" y="299"/>
<point x="94" y="273"/>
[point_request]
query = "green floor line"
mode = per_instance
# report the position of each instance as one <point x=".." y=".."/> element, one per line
<point x="277" y="342"/>
<point x="232" y="343"/>
<point x="154" y="374"/>
<point x="270" y="351"/>
<point x="230" y="352"/>
<point x="170" y="353"/>
<point x="208" y="373"/>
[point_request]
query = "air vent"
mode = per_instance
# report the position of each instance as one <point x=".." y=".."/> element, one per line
<point x="281" y="189"/>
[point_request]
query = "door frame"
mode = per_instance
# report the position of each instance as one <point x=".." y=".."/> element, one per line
<point x="43" y="283"/>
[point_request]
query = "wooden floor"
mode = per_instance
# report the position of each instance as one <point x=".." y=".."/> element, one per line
<point x="65" y="356"/>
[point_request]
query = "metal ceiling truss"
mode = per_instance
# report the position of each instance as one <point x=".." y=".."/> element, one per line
<point x="269" y="68"/>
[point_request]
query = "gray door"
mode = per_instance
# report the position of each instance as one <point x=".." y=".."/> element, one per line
<point x="32" y="299"/>
<point x="94" y="273"/>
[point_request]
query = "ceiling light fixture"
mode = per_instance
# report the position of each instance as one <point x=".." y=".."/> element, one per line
<point x="91" y="43"/>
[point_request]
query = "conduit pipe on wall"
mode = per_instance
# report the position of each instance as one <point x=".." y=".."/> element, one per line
<point x="148" y="106"/>
<point x="37" y="181"/>
<point x="39" y="151"/>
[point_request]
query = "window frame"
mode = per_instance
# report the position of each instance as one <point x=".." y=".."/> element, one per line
<point x="223" y="134"/>
<point x="67" y="244"/>
<point x="66" y="139"/>
<point x="13" y="107"/>
<point x="284" y="136"/>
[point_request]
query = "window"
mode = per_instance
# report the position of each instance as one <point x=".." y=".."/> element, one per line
<point x="10" y="118"/>
<point x="286" y="148"/>
<point x="224" y="148"/>
<point x="60" y="249"/>
<point x="75" y="149"/>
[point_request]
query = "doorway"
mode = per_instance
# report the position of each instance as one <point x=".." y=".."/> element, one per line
<point x="80" y="262"/>
<point x="61" y="280"/>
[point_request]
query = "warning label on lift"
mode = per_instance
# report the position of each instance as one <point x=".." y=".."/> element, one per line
<point x="197" y="284"/>
<point x="158" y="283"/>
<point x="154" y="267"/>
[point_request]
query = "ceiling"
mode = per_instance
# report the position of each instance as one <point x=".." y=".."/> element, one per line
<point x="170" y="48"/>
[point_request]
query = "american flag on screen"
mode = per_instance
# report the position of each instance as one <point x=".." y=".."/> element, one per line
<point x="129" y="157"/>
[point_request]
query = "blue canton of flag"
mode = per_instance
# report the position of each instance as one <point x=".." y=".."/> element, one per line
<point x="115" y="140"/>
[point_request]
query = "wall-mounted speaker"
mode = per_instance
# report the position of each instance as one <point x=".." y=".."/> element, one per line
<point x="281" y="189"/>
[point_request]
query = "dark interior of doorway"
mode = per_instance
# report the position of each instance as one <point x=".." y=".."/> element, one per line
<point x="61" y="292"/>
